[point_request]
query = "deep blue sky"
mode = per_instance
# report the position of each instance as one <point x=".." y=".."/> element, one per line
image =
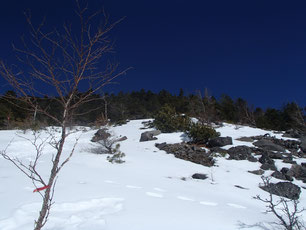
<point x="252" y="49"/>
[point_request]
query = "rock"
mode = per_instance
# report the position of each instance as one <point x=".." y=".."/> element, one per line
<point x="284" y="189"/>
<point x="199" y="176"/>
<point x="269" y="145"/>
<point x="267" y="162"/>
<point x="287" y="172"/>
<point x="188" y="152"/>
<point x="257" y="172"/>
<point x="252" y="159"/>
<point x="218" y="150"/>
<point x="160" y="145"/>
<point x="149" y="135"/>
<point x="238" y="186"/>
<point x="155" y="132"/>
<point x="281" y="176"/>
<point x="292" y="133"/>
<point x="122" y="138"/>
<point x="303" y="144"/>
<point x="220" y="141"/>
<point x="245" y="139"/>
<point x="101" y="134"/>
<point x="239" y="152"/>
<point x="266" y="166"/>
<point x="289" y="161"/>
<point x="275" y="155"/>
<point x="265" y="159"/>
<point x="299" y="172"/>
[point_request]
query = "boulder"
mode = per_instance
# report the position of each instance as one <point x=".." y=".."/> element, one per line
<point x="283" y="189"/>
<point x="275" y="155"/>
<point x="292" y="133"/>
<point x="160" y="145"/>
<point x="288" y="161"/>
<point x="245" y="139"/>
<point x="281" y="176"/>
<point x="287" y="172"/>
<point x="252" y="158"/>
<point x="220" y="141"/>
<point x="299" y="172"/>
<point x="122" y="138"/>
<point x="257" y="172"/>
<point x="188" y="152"/>
<point x="303" y="144"/>
<point x="269" y="145"/>
<point x="239" y="152"/>
<point x="199" y="176"/>
<point x="101" y="134"/>
<point x="266" y="166"/>
<point x="265" y="159"/>
<point x="218" y="150"/>
<point x="149" y="135"/>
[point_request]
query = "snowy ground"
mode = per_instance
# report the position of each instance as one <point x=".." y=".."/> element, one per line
<point x="151" y="190"/>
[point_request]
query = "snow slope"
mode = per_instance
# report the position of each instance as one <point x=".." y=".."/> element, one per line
<point x="151" y="190"/>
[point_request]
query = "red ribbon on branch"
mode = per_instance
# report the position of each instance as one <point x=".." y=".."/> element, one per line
<point x="41" y="188"/>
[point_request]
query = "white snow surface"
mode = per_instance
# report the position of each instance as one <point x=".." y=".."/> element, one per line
<point x="151" y="190"/>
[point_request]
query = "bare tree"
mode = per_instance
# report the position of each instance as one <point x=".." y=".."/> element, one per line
<point x="61" y="60"/>
<point x="285" y="210"/>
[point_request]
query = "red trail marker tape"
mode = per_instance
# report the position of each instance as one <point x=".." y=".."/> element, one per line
<point x="41" y="188"/>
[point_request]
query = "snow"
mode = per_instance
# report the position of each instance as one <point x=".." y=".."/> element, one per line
<point x="151" y="190"/>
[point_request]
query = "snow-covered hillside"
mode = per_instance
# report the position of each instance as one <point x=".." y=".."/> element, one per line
<point x="151" y="190"/>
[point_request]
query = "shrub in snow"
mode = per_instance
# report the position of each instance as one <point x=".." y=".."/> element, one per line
<point x="200" y="134"/>
<point x="117" y="156"/>
<point x="168" y="121"/>
<point x="286" y="210"/>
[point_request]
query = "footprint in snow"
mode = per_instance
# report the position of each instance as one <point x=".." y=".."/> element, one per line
<point x="184" y="198"/>
<point x="207" y="203"/>
<point x="110" y="182"/>
<point x="133" y="187"/>
<point x="29" y="188"/>
<point x="153" y="194"/>
<point x="159" y="189"/>
<point x="235" y="205"/>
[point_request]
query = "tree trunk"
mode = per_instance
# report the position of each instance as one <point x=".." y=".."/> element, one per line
<point x="43" y="214"/>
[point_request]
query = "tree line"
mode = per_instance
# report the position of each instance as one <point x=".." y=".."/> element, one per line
<point x="145" y="104"/>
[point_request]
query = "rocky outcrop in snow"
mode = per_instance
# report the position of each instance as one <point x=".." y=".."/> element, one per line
<point x="188" y="152"/>
<point x="149" y="135"/>
<point x="101" y="134"/>
<point x="219" y="142"/>
<point x="284" y="189"/>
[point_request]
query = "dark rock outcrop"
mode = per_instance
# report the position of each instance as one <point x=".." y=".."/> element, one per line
<point x="267" y="162"/>
<point x="188" y="152"/>
<point x="281" y="176"/>
<point x="199" y="176"/>
<point x="299" y="172"/>
<point x="101" y="134"/>
<point x="240" y="152"/>
<point x="303" y="144"/>
<point x="218" y="150"/>
<point x="265" y="159"/>
<point x="292" y="133"/>
<point x="286" y="144"/>
<point x="284" y="189"/>
<point x="149" y="135"/>
<point x="245" y="139"/>
<point x="266" y="166"/>
<point x="257" y="172"/>
<point x="219" y="142"/>
<point x="269" y="145"/>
